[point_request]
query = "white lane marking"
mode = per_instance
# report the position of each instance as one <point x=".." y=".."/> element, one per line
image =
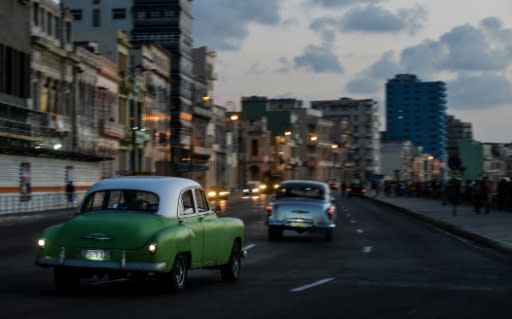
<point x="249" y="247"/>
<point x="352" y="221"/>
<point x="316" y="283"/>
<point x="360" y="231"/>
<point x="367" y="249"/>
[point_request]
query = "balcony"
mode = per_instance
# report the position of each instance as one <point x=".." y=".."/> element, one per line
<point x="21" y="131"/>
<point x="112" y="129"/>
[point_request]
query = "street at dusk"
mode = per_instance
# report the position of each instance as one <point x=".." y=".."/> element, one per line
<point x="255" y="159"/>
<point x="380" y="263"/>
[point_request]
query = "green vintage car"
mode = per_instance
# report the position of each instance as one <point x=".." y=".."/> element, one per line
<point x="143" y="227"/>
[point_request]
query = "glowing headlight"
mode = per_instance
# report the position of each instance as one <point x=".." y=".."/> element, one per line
<point x="223" y="193"/>
<point x="263" y="186"/>
<point x="152" y="248"/>
<point x="212" y="194"/>
<point x="276" y="186"/>
<point x="255" y="190"/>
<point x="41" y="242"/>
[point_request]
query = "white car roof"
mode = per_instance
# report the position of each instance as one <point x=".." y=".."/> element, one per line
<point x="168" y="189"/>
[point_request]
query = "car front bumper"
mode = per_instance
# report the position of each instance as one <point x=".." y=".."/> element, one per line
<point x="107" y="265"/>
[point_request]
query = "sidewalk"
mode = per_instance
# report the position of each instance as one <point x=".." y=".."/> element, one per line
<point x="493" y="230"/>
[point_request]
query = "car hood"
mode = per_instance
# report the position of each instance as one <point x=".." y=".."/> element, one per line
<point x="110" y="230"/>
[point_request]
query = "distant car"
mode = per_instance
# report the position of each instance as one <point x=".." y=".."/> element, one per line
<point x="251" y="189"/>
<point x="142" y="227"/>
<point x="333" y="184"/>
<point x="302" y="206"/>
<point x="218" y="192"/>
<point x="356" y="190"/>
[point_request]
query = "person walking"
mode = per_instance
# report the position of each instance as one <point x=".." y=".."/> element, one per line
<point x="453" y="193"/>
<point x="70" y="194"/>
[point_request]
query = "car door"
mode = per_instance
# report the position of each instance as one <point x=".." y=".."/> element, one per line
<point x="212" y="225"/>
<point x="193" y="221"/>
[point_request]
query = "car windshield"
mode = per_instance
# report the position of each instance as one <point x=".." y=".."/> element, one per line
<point x="300" y="190"/>
<point x="121" y="200"/>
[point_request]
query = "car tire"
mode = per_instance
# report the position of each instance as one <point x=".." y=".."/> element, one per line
<point x="176" y="280"/>
<point x="275" y="233"/>
<point x="66" y="278"/>
<point x="230" y="272"/>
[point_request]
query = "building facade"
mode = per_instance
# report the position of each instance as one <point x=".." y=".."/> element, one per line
<point x="456" y="131"/>
<point x="416" y="111"/>
<point x="356" y="127"/>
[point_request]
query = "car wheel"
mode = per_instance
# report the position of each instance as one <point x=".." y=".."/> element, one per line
<point x="328" y="235"/>
<point x="274" y="233"/>
<point x="230" y="272"/>
<point x="66" y="278"/>
<point x="175" y="280"/>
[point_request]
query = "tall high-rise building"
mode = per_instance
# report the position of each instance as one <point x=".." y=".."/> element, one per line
<point x="416" y="111"/>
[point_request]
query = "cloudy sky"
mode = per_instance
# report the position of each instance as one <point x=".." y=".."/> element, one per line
<point x="327" y="49"/>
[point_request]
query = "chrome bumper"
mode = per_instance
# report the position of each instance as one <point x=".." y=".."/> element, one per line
<point x="311" y="227"/>
<point x="108" y="265"/>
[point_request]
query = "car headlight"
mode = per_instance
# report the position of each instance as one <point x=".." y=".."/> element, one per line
<point x="152" y="248"/>
<point x="255" y="190"/>
<point x="212" y="194"/>
<point x="223" y="193"/>
<point x="41" y="242"/>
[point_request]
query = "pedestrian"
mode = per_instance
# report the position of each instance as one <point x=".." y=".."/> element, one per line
<point x="485" y="191"/>
<point x="343" y="189"/>
<point x="453" y="194"/>
<point x="70" y="194"/>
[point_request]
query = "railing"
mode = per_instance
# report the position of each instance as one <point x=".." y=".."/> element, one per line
<point x="12" y="204"/>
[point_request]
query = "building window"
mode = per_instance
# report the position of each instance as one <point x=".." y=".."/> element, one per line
<point x="254" y="147"/>
<point x="35" y="13"/>
<point x="141" y="15"/>
<point x="169" y="13"/>
<point x="155" y="14"/>
<point x="119" y="14"/>
<point x="49" y="22"/>
<point x="96" y="17"/>
<point x="68" y="32"/>
<point x="77" y="14"/>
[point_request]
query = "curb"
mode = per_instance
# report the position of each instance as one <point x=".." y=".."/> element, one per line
<point x="13" y="217"/>
<point x="476" y="238"/>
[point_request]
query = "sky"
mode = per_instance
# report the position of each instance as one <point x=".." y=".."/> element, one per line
<point x="328" y="49"/>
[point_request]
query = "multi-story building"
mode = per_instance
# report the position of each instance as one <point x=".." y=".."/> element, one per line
<point x="456" y="131"/>
<point x="315" y="154"/>
<point x="155" y="63"/>
<point x="40" y="97"/>
<point x="219" y="170"/>
<point x="396" y="159"/>
<point x="168" y="23"/>
<point x="356" y="127"/>
<point x="111" y="132"/>
<point x="416" y="111"/>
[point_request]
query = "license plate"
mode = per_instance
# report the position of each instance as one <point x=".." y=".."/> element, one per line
<point x="96" y="254"/>
<point x="299" y="224"/>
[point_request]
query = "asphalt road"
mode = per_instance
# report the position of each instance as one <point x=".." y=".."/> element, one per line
<point x="380" y="264"/>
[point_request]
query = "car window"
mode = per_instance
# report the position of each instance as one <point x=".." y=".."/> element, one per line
<point x="187" y="202"/>
<point x="300" y="190"/>
<point x="202" y="203"/>
<point x="121" y="200"/>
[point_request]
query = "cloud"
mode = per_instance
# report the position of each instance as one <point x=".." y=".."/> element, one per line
<point x="319" y="59"/>
<point x="285" y="65"/>
<point x="478" y="91"/>
<point x="469" y="49"/>
<point x="372" y="79"/>
<point x="376" y="19"/>
<point x="226" y="31"/>
<point x="340" y="3"/>
<point x="424" y="59"/>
